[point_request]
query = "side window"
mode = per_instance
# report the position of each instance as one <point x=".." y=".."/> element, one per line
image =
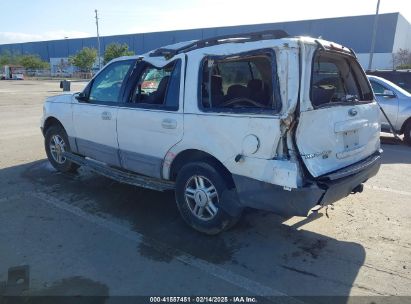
<point x="159" y="87"/>
<point x="243" y="82"/>
<point x="337" y="78"/>
<point x="107" y="84"/>
<point x="377" y="88"/>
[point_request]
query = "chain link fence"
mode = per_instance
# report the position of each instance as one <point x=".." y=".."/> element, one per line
<point x="48" y="74"/>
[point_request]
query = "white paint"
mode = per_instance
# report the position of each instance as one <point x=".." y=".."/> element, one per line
<point x="60" y="107"/>
<point x="88" y="123"/>
<point x="277" y="172"/>
<point x="319" y="132"/>
<point x="152" y="132"/>
<point x="251" y="144"/>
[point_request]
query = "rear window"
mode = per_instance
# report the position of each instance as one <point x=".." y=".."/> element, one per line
<point x="338" y="79"/>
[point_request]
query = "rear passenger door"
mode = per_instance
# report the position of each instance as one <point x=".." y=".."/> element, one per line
<point x="151" y="121"/>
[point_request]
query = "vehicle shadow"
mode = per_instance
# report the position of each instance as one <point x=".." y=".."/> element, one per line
<point x="396" y="154"/>
<point x="261" y="247"/>
<point x="390" y="140"/>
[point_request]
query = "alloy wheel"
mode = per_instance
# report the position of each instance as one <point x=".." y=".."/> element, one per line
<point x="201" y="197"/>
<point x="57" y="148"/>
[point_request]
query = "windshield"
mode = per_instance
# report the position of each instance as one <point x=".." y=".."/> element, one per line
<point x="338" y="79"/>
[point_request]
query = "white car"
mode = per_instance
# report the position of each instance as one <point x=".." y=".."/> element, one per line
<point x="260" y="120"/>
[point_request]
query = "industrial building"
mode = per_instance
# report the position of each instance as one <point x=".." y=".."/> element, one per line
<point x="393" y="33"/>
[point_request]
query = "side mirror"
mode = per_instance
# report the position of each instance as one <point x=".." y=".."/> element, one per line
<point x="388" y="93"/>
<point x="82" y="97"/>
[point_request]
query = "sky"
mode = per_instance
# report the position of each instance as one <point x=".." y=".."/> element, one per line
<point x="28" y="20"/>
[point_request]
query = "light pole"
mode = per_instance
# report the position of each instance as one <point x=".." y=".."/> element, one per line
<point x="374" y="34"/>
<point x="67" y="45"/>
<point x="98" y="42"/>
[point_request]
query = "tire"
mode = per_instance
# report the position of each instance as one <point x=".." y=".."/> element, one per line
<point x="198" y="207"/>
<point x="407" y="133"/>
<point x="56" y="137"/>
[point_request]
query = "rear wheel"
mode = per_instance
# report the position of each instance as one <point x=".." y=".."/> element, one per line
<point x="56" y="143"/>
<point x="199" y="188"/>
<point x="407" y="133"/>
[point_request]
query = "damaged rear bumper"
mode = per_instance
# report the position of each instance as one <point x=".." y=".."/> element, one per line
<point x="298" y="202"/>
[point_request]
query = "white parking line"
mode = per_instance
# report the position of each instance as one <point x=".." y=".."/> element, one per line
<point x="209" y="268"/>
<point x="388" y="190"/>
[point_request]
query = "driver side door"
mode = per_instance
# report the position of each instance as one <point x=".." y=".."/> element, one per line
<point x="95" y="116"/>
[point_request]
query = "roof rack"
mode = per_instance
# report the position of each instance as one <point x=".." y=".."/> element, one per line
<point x="233" y="38"/>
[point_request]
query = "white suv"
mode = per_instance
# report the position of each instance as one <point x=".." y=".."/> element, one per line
<point x="261" y="120"/>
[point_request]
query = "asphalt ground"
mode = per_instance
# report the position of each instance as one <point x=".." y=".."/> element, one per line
<point x="84" y="234"/>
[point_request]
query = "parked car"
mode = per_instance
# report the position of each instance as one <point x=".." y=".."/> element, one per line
<point x="12" y="72"/>
<point x="401" y="78"/>
<point x="260" y="120"/>
<point x="396" y="103"/>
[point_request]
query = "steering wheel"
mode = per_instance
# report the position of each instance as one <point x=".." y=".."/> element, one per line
<point x="241" y="100"/>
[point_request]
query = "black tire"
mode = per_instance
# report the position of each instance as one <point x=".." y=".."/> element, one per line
<point x="407" y="133"/>
<point x="57" y="131"/>
<point x="210" y="175"/>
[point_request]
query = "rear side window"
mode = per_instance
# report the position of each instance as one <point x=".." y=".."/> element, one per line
<point x="244" y="83"/>
<point x="338" y="79"/>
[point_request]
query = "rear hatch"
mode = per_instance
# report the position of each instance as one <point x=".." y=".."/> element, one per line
<point x="340" y="126"/>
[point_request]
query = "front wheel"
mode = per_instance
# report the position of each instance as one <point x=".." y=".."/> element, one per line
<point x="199" y="188"/>
<point x="56" y="143"/>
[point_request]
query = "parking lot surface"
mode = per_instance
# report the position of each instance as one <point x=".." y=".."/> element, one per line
<point x="84" y="234"/>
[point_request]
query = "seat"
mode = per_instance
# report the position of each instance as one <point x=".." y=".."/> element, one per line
<point x="237" y="91"/>
<point x="255" y="86"/>
<point x="217" y="94"/>
<point x="157" y="97"/>
<point x="321" y="94"/>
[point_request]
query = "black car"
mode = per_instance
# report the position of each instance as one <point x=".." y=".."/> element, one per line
<point x="402" y="78"/>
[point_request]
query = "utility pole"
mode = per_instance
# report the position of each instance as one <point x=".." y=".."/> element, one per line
<point x="98" y="42"/>
<point x="374" y="34"/>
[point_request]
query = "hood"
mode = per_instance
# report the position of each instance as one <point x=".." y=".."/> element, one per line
<point x="64" y="97"/>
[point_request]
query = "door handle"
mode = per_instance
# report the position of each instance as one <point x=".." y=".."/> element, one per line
<point x="106" y="115"/>
<point x="169" y="123"/>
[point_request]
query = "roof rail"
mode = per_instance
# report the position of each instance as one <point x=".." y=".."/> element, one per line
<point x="233" y="38"/>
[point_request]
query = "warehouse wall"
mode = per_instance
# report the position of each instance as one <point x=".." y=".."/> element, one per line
<point x="402" y="37"/>
<point x="394" y="31"/>
<point x="380" y="61"/>
<point x="336" y="29"/>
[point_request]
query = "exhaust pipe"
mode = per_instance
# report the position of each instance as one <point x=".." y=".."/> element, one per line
<point x="358" y="189"/>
